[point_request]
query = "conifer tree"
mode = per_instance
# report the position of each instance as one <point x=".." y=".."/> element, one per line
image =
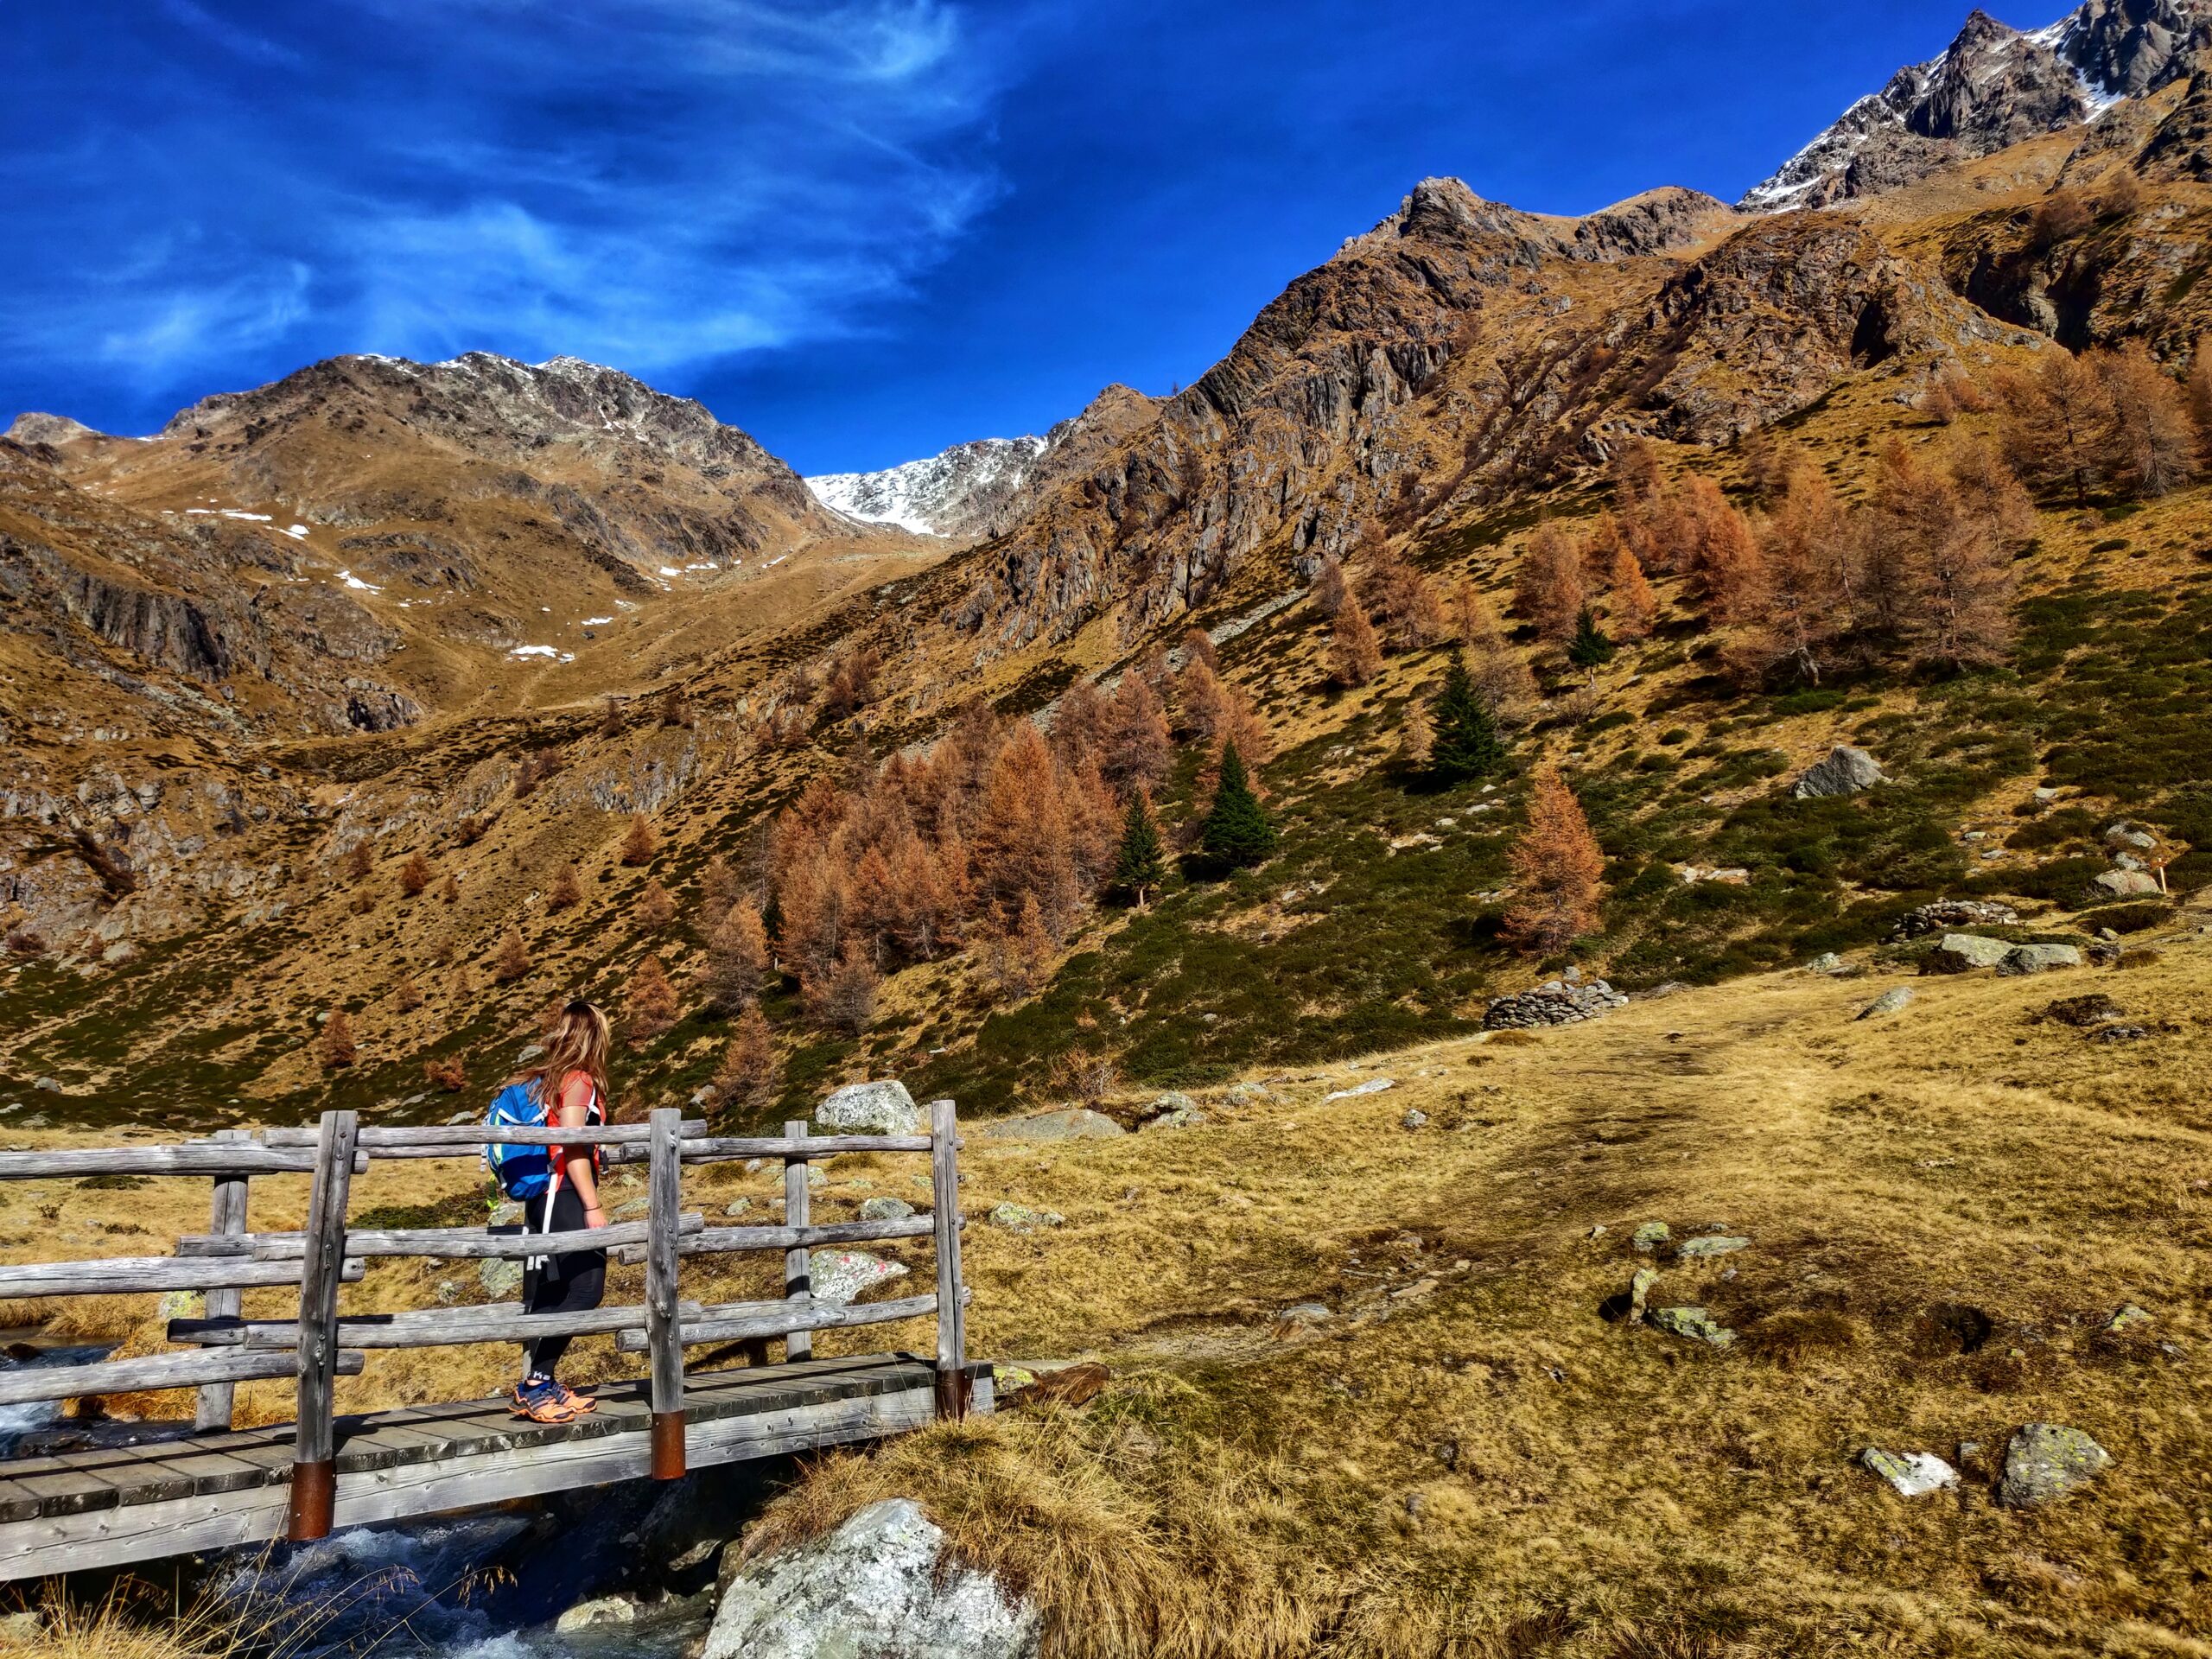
<point x="1552" y="586"/>
<point x="450" y="889"/>
<point x="1466" y="744"/>
<point x="638" y="846"/>
<point x="650" y="1006"/>
<point x="1328" y="592"/>
<point x="1355" y="652"/>
<point x="450" y="1074"/>
<point x="656" y="906"/>
<point x="567" y="891"/>
<point x="335" y="1047"/>
<point x="357" y="862"/>
<point x="2059" y="425"/>
<point x="2154" y="441"/>
<point x="406" y="995"/>
<point x="1416" y="735"/>
<point x="718" y="888"/>
<point x="1589" y="649"/>
<point x="737" y="957"/>
<point x="513" y="961"/>
<point x="1631" y="605"/>
<point x="1136" y="750"/>
<point x="748" y="1071"/>
<point x="1141" y="864"/>
<point x="1237" y="832"/>
<point x="1557" y="865"/>
<point x="844" y="998"/>
<point x="414" y="874"/>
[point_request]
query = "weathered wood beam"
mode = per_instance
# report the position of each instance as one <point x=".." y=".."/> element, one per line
<point x="22" y="1384"/>
<point x="798" y="1260"/>
<point x="123" y="1275"/>
<point x="226" y="1218"/>
<point x="953" y="1387"/>
<point x="744" y="1321"/>
<point x="467" y="1137"/>
<point x="664" y="1197"/>
<point x="469" y="1243"/>
<point x="313" y="1473"/>
<point x="718" y="1241"/>
<point x="197" y="1157"/>
<point x="434" y="1327"/>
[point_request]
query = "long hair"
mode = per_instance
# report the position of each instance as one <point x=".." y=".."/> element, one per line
<point x="576" y="1040"/>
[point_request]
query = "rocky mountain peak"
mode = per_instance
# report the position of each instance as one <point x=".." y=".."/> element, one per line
<point x="32" y="427"/>
<point x="1992" y="86"/>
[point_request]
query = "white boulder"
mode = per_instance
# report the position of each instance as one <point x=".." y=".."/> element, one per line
<point x="873" y="1587"/>
<point x="883" y="1108"/>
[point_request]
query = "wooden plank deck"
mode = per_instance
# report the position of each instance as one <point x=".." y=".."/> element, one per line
<point x="108" y="1508"/>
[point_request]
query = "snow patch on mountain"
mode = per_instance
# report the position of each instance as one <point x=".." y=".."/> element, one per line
<point x="937" y="495"/>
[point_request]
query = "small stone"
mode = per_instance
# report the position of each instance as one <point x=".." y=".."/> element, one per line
<point x="837" y="1276"/>
<point x="530" y="1051"/>
<point x="1887" y="1002"/>
<point x="601" y="1612"/>
<point x="1639" y="1289"/>
<point x="1694" y="1323"/>
<point x="2129" y="1315"/>
<point x="1020" y="1218"/>
<point x="182" y="1305"/>
<point x="2125" y="834"/>
<point x="634" y="1210"/>
<point x="1598" y="1231"/>
<point x="1914" y="1474"/>
<point x="1828" y="962"/>
<point x="1650" y="1235"/>
<point x="501" y="1279"/>
<point x="1188" y="1118"/>
<point x="738" y="1206"/>
<point x="25" y="1629"/>
<point x="880" y="1107"/>
<point x="1308" y="1313"/>
<point x="1006" y="1378"/>
<point x="2039" y="959"/>
<point x="1372" y="1086"/>
<point x="817" y="1177"/>
<point x="1846" y="771"/>
<point x="46" y="1086"/>
<point x="2047" y="1461"/>
<point x="1723" y="1245"/>
<point x="886" y="1210"/>
<point x="1173" y="1100"/>
<point x="1415" y="1120"/>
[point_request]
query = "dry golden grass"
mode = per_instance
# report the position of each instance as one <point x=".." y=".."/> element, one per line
<point x="1467" y="1459"/>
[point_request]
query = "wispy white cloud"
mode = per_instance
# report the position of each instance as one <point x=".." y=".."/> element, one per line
<point x="656" y="183"/>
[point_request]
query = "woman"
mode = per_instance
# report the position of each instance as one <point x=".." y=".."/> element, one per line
<point x="569" y="1083"/>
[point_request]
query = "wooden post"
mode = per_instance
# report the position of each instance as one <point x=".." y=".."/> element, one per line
<point x="314" y="1470"/>
<point x="951" y="1316"/>
<point x="664" y="1335"/>
<point x="798" y="1265"/>
<point x="226" y="1217"/>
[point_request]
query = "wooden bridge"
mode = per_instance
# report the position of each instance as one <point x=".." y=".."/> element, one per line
<point x="223" y="1486"/>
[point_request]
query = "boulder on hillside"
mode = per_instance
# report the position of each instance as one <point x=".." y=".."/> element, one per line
<point x="883" y="1108"/>
<point x="2039" y="959"/>
<point x="1887" y="1002"/>
<point x="1947" y="913"/>
<point x="2122" y="884"/>
<point x="2045" y="1461"/>
<point x="837" y="1276"/>
<point x="877" y="1585"/>
<point x="1070" y="1123"/>
<point x="1845" y="771"/>
<point x="1960" y="953"/>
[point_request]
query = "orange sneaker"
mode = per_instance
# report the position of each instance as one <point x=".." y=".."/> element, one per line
<point x="542" y="1401"/>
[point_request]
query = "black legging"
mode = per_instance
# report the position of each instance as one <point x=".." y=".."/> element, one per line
<point x="559" y="1284"/>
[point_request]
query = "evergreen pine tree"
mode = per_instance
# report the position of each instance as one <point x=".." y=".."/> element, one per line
<point x="1236" y="831"/>
<point x="1466" y="744"/>
<point x="1141" y="865"/>
<point x="1589" y="649"/>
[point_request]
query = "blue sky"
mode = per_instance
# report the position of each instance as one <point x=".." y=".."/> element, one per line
<point x="860" y="229"/>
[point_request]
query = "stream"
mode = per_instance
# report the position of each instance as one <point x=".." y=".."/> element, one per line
<point x="486" y="1585"/>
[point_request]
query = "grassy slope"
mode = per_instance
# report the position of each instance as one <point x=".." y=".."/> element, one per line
<point x="1467" y="1459"/>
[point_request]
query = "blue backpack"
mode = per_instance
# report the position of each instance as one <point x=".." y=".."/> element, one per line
<point x="521" y="1172"/>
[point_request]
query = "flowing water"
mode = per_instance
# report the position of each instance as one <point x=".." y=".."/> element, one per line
<point x="485" y="1586"/>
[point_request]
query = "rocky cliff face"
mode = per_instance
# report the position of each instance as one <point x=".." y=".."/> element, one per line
<point x="1992" y="86"/>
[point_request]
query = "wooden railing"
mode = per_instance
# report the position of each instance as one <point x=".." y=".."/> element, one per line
<point x="321" y="1344"/>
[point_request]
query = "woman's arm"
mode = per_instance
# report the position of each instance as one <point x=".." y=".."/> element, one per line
<point x="575" y="1100"/>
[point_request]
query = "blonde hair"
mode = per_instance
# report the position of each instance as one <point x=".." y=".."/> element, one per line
<point x="576" y="1040"/>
